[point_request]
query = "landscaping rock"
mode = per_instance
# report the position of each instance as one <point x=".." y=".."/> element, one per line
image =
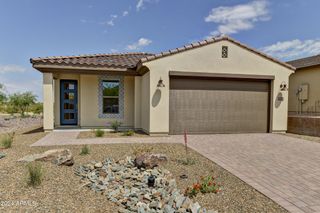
<point x="149" y="161"/>
<point x="56" y="156"/>
<point x="127" y="186"/>
<point x="2" y="155"/>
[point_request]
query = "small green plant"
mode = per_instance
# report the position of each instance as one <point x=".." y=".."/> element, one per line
<point x="187" y="162"/>
<point x="99" y="133"/>
<point x="85" y="150"/>
<point x="128" y="133"/>
<point x="115" y="125"/>
<point x="7" y="140"/>
<point x="206" y="185"/>
<point x="35" y="174"/>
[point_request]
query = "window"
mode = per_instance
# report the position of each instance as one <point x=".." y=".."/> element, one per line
<point x="110" y="96"/>
<point x="224" y="52"/>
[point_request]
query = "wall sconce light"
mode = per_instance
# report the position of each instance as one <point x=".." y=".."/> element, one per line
<point x="283" y="86"/>
<point x="160" y="83"/>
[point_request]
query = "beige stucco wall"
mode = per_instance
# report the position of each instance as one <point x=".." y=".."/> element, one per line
<point x="310" y="76"/>
<point x="208" y="59"/>
<point x="48" y="101"/>
<point x="89" y="104"/>
<point x="145" y="102"/>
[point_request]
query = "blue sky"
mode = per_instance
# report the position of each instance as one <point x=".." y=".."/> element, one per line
<point x="286" y="29"/>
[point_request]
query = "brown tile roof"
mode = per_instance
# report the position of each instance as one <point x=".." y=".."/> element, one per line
<point x="123" y="60"/>
<point x="306" y="62"/>
<point x="132" y="60"/>
<point x="210" y="41"/>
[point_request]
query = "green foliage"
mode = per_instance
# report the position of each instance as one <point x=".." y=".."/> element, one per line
<point x="36" y="108"/>
<point x="99" y="133"/>
<point x="35" y="174"/>
<point x="7" y="140"/>
<point x="187" y="162"/>
<point x="20" y="102"/>
<point x="85" y="150"/>
<point x="206" y="185"/>
<point x="115" y="125"/>
<point x="128" y="133"/>
<point x="3" y="96"/>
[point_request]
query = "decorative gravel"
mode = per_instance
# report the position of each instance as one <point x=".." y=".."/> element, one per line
<point x="61" y="190"/>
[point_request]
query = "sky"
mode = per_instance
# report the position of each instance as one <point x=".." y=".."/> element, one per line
<point x="285" y="29"/>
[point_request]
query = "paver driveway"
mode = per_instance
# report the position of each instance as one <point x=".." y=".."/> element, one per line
<point x="283" y="168"/>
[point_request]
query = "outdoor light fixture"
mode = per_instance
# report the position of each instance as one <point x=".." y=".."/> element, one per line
<point x="160" y="83"/>
<point x="151" y="180"/>
<point x="283" y="86"/>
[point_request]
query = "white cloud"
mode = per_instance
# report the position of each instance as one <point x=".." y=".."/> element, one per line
<point x="141" y="4"/>
<point x="111" y="21"/>
<point x="125" y="13"/>
<point x="142" y="42"/>
<point x="10" y="68"/>
<point x="296" y="48"/>
<point x="240" y="17"/>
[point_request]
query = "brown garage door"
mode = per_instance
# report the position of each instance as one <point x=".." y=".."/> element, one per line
<point x="207" y="105"/>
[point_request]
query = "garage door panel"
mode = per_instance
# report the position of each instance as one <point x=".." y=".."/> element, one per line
<point x="218" y="111"/>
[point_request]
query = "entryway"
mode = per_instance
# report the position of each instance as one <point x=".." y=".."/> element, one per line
<point x="68" y="102"/>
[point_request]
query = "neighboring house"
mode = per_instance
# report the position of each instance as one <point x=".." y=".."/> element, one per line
<point x="213" y="86"/>
<point x="304" y="91"/>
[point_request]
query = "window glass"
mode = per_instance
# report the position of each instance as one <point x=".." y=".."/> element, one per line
<point x="68" y="116"/>
<point x="110" y="88"/>
<point x="110" y="105"/>
<point x="68" y="106"/>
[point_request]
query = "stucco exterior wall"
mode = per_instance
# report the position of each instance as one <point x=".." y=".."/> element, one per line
<point x="208" y="59"/>
<point x="310" y="76"/>
<point x="48" y="102"/>
<point x="145" y="102"/>
<point x="89" y="104"/>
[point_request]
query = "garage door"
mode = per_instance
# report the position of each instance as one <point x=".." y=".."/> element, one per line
<point x="216" y="105"/>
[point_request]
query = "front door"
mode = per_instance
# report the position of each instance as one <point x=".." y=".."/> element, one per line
<point x="68" y="102"/>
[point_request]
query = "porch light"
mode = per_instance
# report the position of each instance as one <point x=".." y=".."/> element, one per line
<point x="160" y="83"/>
<point x="283" y="86"/>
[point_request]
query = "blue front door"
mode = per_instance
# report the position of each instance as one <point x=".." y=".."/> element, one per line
<point x="68" y="102"/>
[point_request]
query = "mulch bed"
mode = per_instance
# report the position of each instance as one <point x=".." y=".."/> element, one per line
<point x="60" y="190"/>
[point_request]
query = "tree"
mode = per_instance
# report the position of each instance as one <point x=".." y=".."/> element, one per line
<point x="20" y="102"/>
<point x="37" y="108"/>
<point x="3" y="95"/>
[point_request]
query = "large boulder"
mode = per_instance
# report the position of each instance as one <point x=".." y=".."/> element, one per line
<point x="56" y="156"/>
<point x="149" y="161"/>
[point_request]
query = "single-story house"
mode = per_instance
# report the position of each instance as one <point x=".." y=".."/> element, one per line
<point x="218" y="85"/>
<point x="304" y="92"/>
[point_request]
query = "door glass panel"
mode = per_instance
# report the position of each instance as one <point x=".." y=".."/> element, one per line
<point x="68" y="106"/>
<point x="68" y="86"/>
<point x="69" y="96"/>
<point x="68" y="116"/>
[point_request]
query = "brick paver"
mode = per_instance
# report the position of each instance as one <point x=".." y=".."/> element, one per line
<point x="285" y="169"/>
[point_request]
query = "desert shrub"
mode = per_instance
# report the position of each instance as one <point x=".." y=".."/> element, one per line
<point x="206" y="185"/>
<point x="85" y="150"/>
<point x="99" y="133"/>
<point x="187" y="162"/>
<point x="115" y="125"/>
<point x="35" y="174"/>
<point x="139" y="150"/>
<point x="36" y="108"/>
<point x="128" y="133"/>
<point x="7" y="140"/>
<point x="20" y="102"/>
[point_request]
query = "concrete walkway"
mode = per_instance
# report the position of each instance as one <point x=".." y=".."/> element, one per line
<point x="285" y="169"/>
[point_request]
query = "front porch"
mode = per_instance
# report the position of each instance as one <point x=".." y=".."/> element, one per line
<point x="76" y="101"/>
